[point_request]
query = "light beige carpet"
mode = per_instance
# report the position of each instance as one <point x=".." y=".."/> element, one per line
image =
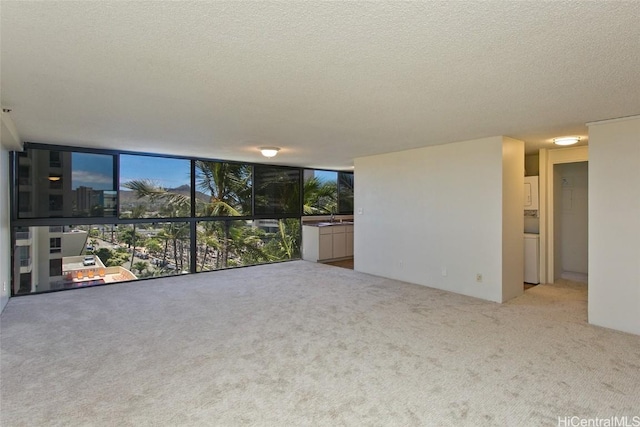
<point x="299" y="343"/>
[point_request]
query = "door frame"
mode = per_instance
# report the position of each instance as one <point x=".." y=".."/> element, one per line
<point x="547" y="159"/>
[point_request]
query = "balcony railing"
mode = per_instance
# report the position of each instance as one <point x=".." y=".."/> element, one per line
<point x="23" y="235"/>
<point x="25" y="262"/>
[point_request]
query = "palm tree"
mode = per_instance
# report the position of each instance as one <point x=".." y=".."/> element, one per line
<point x="162" y="235"/>
<point x="177" y="203"/>
<point x="153" y="246"/>
<point x="140" y="266"/>
<point x="137" y="212"/>
<point x="229" y="188"/>
<point x="207" y="235"/>
<point x="289" y="231"/>
<point x="284" y="243"/>
<point x="175" y="232"/>
<point x="320" y="198"/>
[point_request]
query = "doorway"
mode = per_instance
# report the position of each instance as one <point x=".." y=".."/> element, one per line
<point x="571" y="220"/>
<point x="549" y="189"/>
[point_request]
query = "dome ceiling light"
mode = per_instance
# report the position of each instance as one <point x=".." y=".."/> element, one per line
<point x="569" y="140"/>
<point x="269" y="151"/>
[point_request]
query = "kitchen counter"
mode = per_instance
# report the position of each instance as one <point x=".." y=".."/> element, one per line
<point x="327" y="223"/>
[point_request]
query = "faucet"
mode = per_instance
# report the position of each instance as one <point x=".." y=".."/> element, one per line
<point x="333" y="217"/>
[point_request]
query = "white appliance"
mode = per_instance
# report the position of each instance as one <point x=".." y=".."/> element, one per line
<point x="531" y="258"/>
<point x="531" y="193"/>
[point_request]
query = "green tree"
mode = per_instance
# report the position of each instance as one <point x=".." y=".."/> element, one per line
<point x="117" y="260"/>
<point x="246" y="245"/>
<point x="320" y="198"/>
<point x="228" y="190"/>
<point x="208" y="242"/>
<point x="176" y="233"/>
<point x="289" y="238"/>
<point x="228" y="186"/>
<point x="175" y="203"/>
<point x="284" y="243"/>
<point x="140" y="266"/>
<point x="153" y="246"/>
<point x="104" y="254"/>
<point x="112" y="258"/>
<point x="137" y="212"/>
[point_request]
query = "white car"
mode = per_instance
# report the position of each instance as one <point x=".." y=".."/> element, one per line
<point x="89" y="260"/>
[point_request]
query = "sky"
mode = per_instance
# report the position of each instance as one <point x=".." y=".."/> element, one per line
<point x="326" y="175"/>
<point x="92" y="170"/>
<point x="167" y="173"/>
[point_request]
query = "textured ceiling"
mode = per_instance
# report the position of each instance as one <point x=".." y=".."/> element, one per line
<point x="326" y="81"/>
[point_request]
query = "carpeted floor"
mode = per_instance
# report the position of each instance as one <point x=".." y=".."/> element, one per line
<point x="300" y="343"/>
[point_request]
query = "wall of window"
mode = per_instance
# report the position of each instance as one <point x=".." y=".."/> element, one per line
<point x="83" y="217"/>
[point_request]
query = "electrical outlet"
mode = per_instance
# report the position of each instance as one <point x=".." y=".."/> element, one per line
<point x="401" y="263"/>
<point x="478" y="277"/>
<point x="443" y="271"/>
<point x="4" y="286"/>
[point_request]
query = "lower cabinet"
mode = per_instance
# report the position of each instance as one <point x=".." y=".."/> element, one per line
<point x="325" y="248"/>
<point x="339" y="242"/>
<point x="327" y="243"/>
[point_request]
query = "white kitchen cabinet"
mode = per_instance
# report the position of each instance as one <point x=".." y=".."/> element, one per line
<point x="329" y="242"/>
<point x="349" y="238"/>
<point x="325" y="244"/>
<point x="531" y="193"/>
<point x="339" y="242"/>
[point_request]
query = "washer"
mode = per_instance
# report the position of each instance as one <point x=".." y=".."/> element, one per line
<point x="531" y="258"/>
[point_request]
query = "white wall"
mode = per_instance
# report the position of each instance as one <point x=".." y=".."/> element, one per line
<point x="512" y="218"/>
<point x="532" y="165"/>
<point x="434" y="216"/>
<point x="5" y="236"/>
<point x="9" y="140"/>
<point x="614" y="224"/>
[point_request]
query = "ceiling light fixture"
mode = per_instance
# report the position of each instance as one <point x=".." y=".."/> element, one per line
<point x="569" y="140"/>
<point x="54" y="178"/>
<point x="269" y="151"/>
